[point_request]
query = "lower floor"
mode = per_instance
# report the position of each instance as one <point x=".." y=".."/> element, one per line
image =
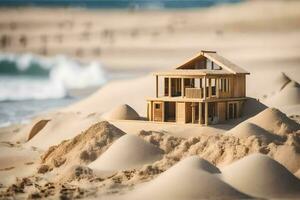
<point x="205" y="113"/>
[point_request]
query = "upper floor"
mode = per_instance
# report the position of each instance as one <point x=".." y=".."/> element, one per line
<point x="206" y="76"/>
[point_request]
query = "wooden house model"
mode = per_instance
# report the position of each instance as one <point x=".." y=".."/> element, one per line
<point x="208" y="89"/>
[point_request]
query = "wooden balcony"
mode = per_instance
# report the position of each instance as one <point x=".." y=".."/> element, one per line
<point x="193" y="93"/>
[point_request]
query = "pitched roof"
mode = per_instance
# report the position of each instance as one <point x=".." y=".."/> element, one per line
<point x="216" y="58"/>
<point x="192" y="72"/>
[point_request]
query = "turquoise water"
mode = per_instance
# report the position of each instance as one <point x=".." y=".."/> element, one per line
<point x="31" y="84"/>
<point x="12" y="112"/>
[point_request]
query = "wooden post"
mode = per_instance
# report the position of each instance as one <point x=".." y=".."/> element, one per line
<point x="204" y="90"/>
<point x="170" y="87"/>
<point x="209" y="88"/>
<point x="182" y="87"/>
<point x="217" y="88"/>
<point x="193" y="113"/>
<point x="156" y="77"/>
<point x="200" y="82"/>
<point x="200" y="113"/>
<point x="206" y="114"/>
<point x="151" y="111"/>
<point x="163" y="111"/>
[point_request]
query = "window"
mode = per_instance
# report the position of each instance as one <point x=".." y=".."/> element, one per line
<point x="215" y="66"/>
<point x="209" y="64"/>
<point x="224" y="84"/>
<point x="157" y="106"/>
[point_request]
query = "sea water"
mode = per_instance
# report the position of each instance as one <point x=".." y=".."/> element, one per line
<point x="118" y="4"/>
<point x="31" y="84"/>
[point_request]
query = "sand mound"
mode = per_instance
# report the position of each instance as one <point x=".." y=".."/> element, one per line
<point x="62" y="126"/>
<point x="122" y="112"/>
<point x="84" y="148"/>
<point x="37" y="127"/>
<point x="288" y="95"/>
<point x="297" y="174"/>
<point x="127" y="152"/>
<point x="289" y="156"/>
<point x="261" y="176"/>
<point x="186" y="180"/>
<point x="275" y="121"/>
<point x="200" y="163"/>
<point x="247" y="129"/>
<point x="252" y="107"/>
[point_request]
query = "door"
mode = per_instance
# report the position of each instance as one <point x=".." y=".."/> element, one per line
<point x="157" y="111"/>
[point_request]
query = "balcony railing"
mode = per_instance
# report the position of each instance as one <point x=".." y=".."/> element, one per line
<point x="198" y="93"/>
<point x="193" y="93"/>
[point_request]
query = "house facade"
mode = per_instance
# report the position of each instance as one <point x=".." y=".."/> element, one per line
<point x="207" y="89"/>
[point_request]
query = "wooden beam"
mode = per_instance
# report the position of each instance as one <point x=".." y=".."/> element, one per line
<point x="182" y="87"/>
<point x="217" y="88"/>
<point x="206" y="114"/>
<point x="209" y="88"/>
<point x="204" y="90"/>
<point x="193" y="113"/>
<point x="200" y="113"/>
<point x="163" y="111"/>
<point x="156" y="80"/>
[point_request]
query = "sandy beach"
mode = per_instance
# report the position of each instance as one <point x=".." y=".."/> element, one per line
<point x="102" y="146"/>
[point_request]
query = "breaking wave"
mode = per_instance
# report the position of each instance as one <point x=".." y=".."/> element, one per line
<point x="28" y="76"/>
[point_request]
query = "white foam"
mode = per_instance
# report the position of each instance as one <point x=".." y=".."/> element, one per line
<point x="64" y="74"/>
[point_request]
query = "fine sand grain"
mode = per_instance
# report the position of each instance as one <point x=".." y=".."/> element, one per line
<point x="273" y="120"/>
<point x="82" y="149"/>
<point x="128" y="152"/>
<point x="247" y="129"/>
<point x="62" y="126"/>
<point x="260" y="176"/>
<point x="188" y="179"/>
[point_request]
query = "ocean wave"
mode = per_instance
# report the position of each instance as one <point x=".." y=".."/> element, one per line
<point x="29" y="76"/>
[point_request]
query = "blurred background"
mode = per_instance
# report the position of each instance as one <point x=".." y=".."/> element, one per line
<point x="55" y="52"/>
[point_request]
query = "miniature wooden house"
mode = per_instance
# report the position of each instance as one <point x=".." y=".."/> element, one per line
<point x="208" y="89"/>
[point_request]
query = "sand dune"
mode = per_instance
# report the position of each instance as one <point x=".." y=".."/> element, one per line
<point x="260" y="176"/>
<point x="186" y="180"/>
<point x="289" y="95"/>
<point x="127" y="152"/>
<point x="247" y="129"/>
<point x="62" y="126"/>
<point x="275" y="121"/>
<point x="82" y="149"/>
<point x="199" y="163"/>
<point x="122" y="112"/>
<point x="288" y="155"/>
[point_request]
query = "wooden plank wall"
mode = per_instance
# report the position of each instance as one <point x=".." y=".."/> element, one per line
<point x="180" y="112"/>
<point x="188" y="112"/>
<point x="239" y="85"/>
<point x="221" y="111"/>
